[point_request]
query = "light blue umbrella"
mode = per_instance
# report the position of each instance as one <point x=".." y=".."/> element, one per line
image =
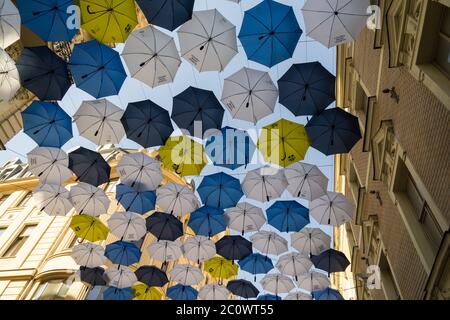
<point x="207" y="221"/>
<point x="113" y="293"/>
<point x="327" y="294"/>
<point x="123" y="253"/>
<point x="255" y="264"/>
<point x="220" y="190"/>
<point x="135" y="201"/>
<point x="288" y="216"/>
<point x="180" y="292"/>
<point x="268" y="297"/>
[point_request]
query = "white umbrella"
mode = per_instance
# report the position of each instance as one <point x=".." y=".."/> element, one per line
<point x="298" y="296"/>
<point x="128" y="226"/>
<point x="151" y="56"/>
<point x="186" y="274"/>
<point x="120" y="277"/>
<point x="305" y="181"/>
<point x="199" y="248"/>
<point x="208" y="40"/>
<point x="9" y="77"/>
<point x="277" y="283"/>
<point x="310" y="241"/>
<point x="164" y="250"/>
<point x="99" y="122"/>
<point x="213" y="291"/>
<point x="88" y="255"/>
<point x="335" y="22"/>
<point x="89" y="199"/>
<point x="249" y="95"/>
<point x="140" y="172"/>
<point x="269" y="242"/>
<point x="331" y="209"/>
<point x="264" y="184"/>
<point x="294" y="264"/>
<point x="176" y="199"/>
<point x="9" y="23"/>
<point x="245" y="217"/>
<point x="49" y="165"/>
<point x="313" y="281"/>
<point x="52" y="199"/>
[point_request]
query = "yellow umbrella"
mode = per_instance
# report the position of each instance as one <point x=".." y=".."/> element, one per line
<point x="183" y="155"/>
<point x="283" y="142"/>
<point x="220" y="267"/>
<point x="108" y="20"/>
<point x="89" y="228"/>
<point x="144" y="292"/>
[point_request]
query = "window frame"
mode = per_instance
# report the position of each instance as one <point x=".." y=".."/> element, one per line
<point x="18" y="241"/>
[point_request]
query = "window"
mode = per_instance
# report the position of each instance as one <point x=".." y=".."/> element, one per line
<point x="387" y="279"/>
<point x="442" y="54"/>
<point x="18" y="243"/>
<point x="2" y="230"/>
<point x="3" y="198"/>
<point x="51" y="290"/>
<point x="25" y="200"/>
<point x="96" y="293"/>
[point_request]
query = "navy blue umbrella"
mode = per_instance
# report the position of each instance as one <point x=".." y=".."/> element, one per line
<point x="89" y="166"/>
<point x="123" y="253"/>
<point x="255" y="264"/>
<point x="168" y="14"/>
<point x="180" y="292"/>
<point x="307" y="89"/>
<point x="327" y="294"/>
<point x="92" y="276"/>
<point x="47" y="124"/>
<point x="97" y="69"/>
<point x="164" y="226"/>
<point x="268" y="297"/>
<point x="43" y="73"/>
<point x="220" y="190"/>
<point x="234" y="247"/>
<point x="288" y="216"/>
<point x="147" y="123"/>
<point x="242" y="288"/>
<point x="151" y="276"/>
<point x="330" y="261"/>
<point x="113" y="293"/>
<point x="207" y="221"/>
<point x="269" y="33"/>
<point x="197" y="106"/>
<point x="135" y="201"/>
<point x="333" y="131"/>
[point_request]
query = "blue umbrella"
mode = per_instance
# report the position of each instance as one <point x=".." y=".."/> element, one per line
<point x="220" y="190"/>
<point x="207" y="221"/>
<point x="168" y="14"/>
<point x="89" y="166"/>
<point x="43" y="73"/>
<point x="242" y="288"/>
<point x="269" y="33"/>
<point x="233" y="247"/>
<point x="97" y="69"/>
<point x="327" y="294"/>
<point x="113" y="293"/>
<point x="92" y="276"/>
<point x="47" y="18"/>
<point x="256" y="263"/>
<point x="230" y="148"/>
<point x="123" y="253"/>
<point x="330" y="261"/>
<point x="268" y="297"/>
<point x="151" y="276"/>
<point x="197" y="106"/>
<point x="333" y="131"/>
<point x="135" y="201"/>
<point x="164" y="226"/>
<point x="180" y="292"/>
<point x="47" y="124"/>
<point x="147" y="123"/>
<point x="307" y="89"/>
<point x="288" y="216"/>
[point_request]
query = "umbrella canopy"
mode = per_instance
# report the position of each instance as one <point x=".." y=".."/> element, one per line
<point x="164" y="226"/>
<point x="330" y="261"/>
<point x="89" y="228"/>
<point x="139" y="171"/>
<point x="264" y="184"/>
<point x="233" y="247"/>
<point x="245" y="217"/>
<point x="277" y="283"/>
<point x="310" y="241"/>
<point x="147" y="124"/>
<point x="230" y="148"/>
<point x="99" y="122"/>
<point x="88" y="255"/>
<point x="220" y="190"/>
<point x="120" y="277"/>
<point x="307" y="88"/>
<point x="249" y="95"/>
<point x="176" y="199"/>
<point x="242" y="288"/>
<point x="256" y="264"/>
<point x="207" y="221"/>
<point x="269" y="242"/>
<point x="164" y="250"/>
<point x="183" y="155"/>
<point x="108" y="20"/>
<point x="334" y="131"/>
<point x="213" y="291"/>
<point x="128" y="226"/>
<point x="180" y="292"/>
<point x="52" y="199"/>
<point x="186" y="274"/>
<point x="92" y="276"/>
<point x="222" y="268"/>
<point x="49" y="165"/>
<point x="335" y="23"/>
<point x="135" y="201"/>
<point x="9" y="76"/>
<point x="268" y="297"/>
<point x="196" y="107"/>
<point x="327" y="294"/>
<point x="48" y="18"/>
<point x="47" y="124"/>
<point x="208" y="40"/>
<point x="151" y="276"/>
<point x="96" y="68"/>
<point x="269" y="33"/>
<point x="305" y="181"/>
<point x="287" y="216"/>
<point x="123" y="253"/>
<point x="293" y="264"/>
<point x="89" y="166"/>
<point x="199" y="249"/>
<point x="283" y="142"/>
<point x="332" y="209"/>
<point x="113" y="293"/>
<point x="151" y="56"/>
<point x="313" y="281"/>
<point x="167" y="14"/>
<point x="43" y="73"/>
<point x="9" y="24"/>
<point x="144" y="292"/>
<point x="297" y="295"/>
<point x="88" y="199"/>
